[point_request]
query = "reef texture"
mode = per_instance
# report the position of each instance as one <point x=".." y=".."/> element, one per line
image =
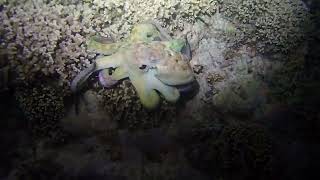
<point x="274" y="25"/>
<point x="43" y="39"/>
<point x="47" y="39"/>
<point x="239" y="150"/>
<point x="43" y="108"/>
<point x="221" y="132"/>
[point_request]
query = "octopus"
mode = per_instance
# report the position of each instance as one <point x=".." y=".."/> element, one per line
<point x="156" y="65"/>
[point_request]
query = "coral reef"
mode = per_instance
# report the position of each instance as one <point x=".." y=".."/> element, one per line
<point x="275" y="25"/>
<point x="286" y="81"/>
<point x="241" y="149"/>
<point x="214" y="135"/>
<point x="43" y="107"/>
<point x="214" y="77"/>
<point x="43" y="39"/>
<point x="171" y="14"/>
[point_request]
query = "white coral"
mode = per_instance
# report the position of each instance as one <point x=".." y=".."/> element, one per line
<point x="43" y="40"/>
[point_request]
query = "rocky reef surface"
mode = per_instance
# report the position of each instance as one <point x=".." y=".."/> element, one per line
<point x="252" y="114"/>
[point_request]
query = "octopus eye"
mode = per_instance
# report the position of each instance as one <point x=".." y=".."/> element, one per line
<point x="110" y="71"/>
<point x="143" y="66"/>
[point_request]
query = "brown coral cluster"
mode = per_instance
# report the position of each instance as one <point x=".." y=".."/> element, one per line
<point x="43" y="107"/>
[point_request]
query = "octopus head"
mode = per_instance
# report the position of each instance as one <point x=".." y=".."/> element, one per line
<point x="166" y="60"/>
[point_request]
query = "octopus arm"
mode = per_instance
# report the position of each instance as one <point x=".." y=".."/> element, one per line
<point x="98" y="45"/>
<point x="80" y="79"/>
<point x="171" y="94"/>
<point x="149" y="98"/>
<point x="113" y="61"/>
<point x="175" y="78"/>
<point x="105" y="79"/>
<point x="108" y="79"/>
<point x="119" y="73"/>
<point x="101" y="63"/>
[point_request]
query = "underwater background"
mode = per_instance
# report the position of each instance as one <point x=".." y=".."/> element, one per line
<point x="252" y="112"/>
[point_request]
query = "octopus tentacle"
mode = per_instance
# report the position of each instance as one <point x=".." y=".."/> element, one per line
<point x="179" y="78"/>
<point x="171" y="94"/>
<point x="112" y="61"/>
<point x="119" y="73"/>
<point x="149" y="98"/>
<point x="100" y="64"/>
<point x="109" y="79"/>
<point x="80" y="79"/>
<point x="105" y="47"/>
<point x="105" y="79"/>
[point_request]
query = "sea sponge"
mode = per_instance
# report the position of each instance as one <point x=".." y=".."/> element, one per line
<point x="276" y="25"/>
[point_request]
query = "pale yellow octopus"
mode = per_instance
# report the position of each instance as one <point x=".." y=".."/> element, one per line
<point x="154" y="63"/>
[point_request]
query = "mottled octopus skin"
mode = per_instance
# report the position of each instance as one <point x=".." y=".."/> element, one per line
<point x="153" y="62"/>
<point x="106" y="80"/>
